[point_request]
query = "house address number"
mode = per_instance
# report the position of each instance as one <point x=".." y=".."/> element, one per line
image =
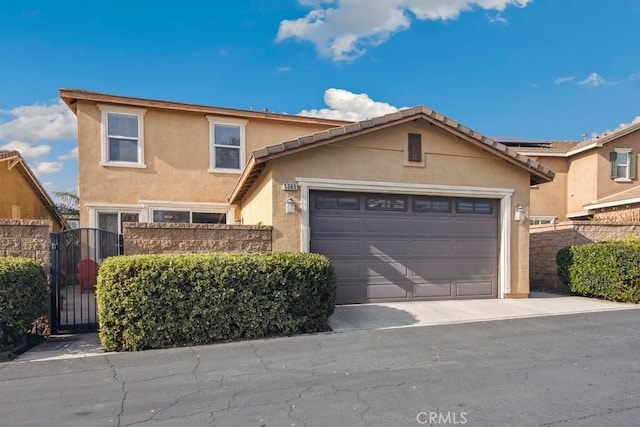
<point x="290" y="186"/>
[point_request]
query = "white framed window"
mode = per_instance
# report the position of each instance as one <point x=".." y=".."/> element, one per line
<point x="623" y="164"/>
<point x="542" y="220"/>
<point x="122" y="136"/>
<point x="188" y="216"/>
<point x="112" y="220"/>
<point x="187" y="212"/>
<point x="227" y="144"/>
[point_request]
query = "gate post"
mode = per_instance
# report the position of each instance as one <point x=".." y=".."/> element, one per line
<point x="53" y="282"/>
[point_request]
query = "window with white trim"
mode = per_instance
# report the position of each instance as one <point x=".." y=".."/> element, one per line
<point x="542" y="220"/>
<point x="623" y="164"/>
<point x="122" y="136"/>
<point x="112" y="220"/>
<point x="227" y="144"/>
<point x="185" y="216"/>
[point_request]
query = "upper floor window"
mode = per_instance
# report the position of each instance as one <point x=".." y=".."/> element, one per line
<point x="122" y="136"/>
<point x="623" y="164"/>
<point x="227" y="141"/>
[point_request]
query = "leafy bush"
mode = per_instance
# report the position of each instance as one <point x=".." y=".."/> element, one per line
<point x="23" y="289"/>
<point x="609" y="270"/>
<point x="156" y="301"/>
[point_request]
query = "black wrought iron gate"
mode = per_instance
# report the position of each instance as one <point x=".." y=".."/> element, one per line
<point x="76" y="256"/>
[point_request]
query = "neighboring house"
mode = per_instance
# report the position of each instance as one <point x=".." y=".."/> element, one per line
<point x="22" y="196"/>
<point x="595" y="179"/>
<point x="411" y="205"/>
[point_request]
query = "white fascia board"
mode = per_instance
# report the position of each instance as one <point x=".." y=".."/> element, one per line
<point x="612" y="204"/>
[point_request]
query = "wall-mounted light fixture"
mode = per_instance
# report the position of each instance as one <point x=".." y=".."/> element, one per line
<point x="518" y="213"/>
<point x="289" y="205"/>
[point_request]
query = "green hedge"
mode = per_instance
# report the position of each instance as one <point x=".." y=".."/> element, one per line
<point x="609" y="270"/>
<point x="23" y="289"/>
<point x="158" y="301"/>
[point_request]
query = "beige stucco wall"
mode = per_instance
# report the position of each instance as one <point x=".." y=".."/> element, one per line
<point x="177" y="158"/>
<point x="380" y="156"/>
<point x="18" y="199"/>
<point x="550" y="198"/>
<point x="582" y="181"/>
<point x="257" y="207"/>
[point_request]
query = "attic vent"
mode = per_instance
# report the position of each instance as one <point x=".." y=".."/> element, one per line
<point x="415" y="147"/>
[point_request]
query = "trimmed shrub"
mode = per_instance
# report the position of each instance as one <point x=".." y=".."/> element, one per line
<point x="609" y="270"/>
<point x="23" y="289"/>
<point x="158" y="301"/>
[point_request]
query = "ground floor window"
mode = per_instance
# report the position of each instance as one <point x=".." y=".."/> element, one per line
<point x="194" y="217"/>
<point x="112" y="221"/>
<point x="542" y="220"/>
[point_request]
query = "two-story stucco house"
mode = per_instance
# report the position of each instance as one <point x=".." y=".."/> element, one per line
<point x="411" y="205"/>
<point x="595" y="179"/>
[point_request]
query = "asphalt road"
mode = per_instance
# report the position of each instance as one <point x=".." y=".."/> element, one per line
<point x="573" y="370"/>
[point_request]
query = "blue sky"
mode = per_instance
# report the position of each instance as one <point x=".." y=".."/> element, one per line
<point x="538" y="69"/>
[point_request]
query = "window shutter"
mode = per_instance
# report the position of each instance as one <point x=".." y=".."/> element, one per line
<point x="612" y="159"/>
<point x="633" y="165"/>
<point x="415" y="147"/>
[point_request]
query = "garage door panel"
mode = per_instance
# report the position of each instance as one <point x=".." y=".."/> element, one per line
<point x="348" y="293"/>
<point x="431" y="248"/>
<point x="427" y="226"/>
<point x="386" y="225"/>
<point x="474" y="268"/>
<point x="433" y="290"/>
<point x="347" y="270"/>
<point x="479" y="228"/>
<point x="383" y="292"/>
<point x="387" y="270"/>
<point x="484" y="248"/>
<point x="480" y="288"/>
<point x="385" y="248"/>
<point x="338" y="247"/>
<point x="336" y="224"/>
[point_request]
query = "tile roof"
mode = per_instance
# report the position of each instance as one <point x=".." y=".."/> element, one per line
<point x="72" y="96"/>
<point x="630" y="195"/>
<point x="538" y="172"/>
<point x="559" y="147"/>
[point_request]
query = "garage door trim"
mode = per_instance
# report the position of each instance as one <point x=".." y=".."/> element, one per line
<point x="504" y="195"/>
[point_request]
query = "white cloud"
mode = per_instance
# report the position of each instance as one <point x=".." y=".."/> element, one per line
<point x="27" y="150"/>
<point x="73" y="154"/>
<point x="594" y="79"/>
<point x="37" y="122"/>
<point x="48" y="167"/>
<point x="564" y="79"/>
<point x="620" y="126"/>
<point x="283" y="69"/>
<point x="345" y="105"/>
<point x="343" y="30"/>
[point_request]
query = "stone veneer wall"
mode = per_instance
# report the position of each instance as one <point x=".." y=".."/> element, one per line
<point x="27" y="238"/>
<point x="546" y="241"/>
<point x="157" y="238"/>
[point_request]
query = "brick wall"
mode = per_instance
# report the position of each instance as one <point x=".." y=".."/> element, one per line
<point x="155" y="238"/>
<point x="546" y="241"/>
<point x="27" y="238"/>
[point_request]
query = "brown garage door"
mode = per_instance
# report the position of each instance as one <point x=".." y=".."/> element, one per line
<point x="397" y="247"/>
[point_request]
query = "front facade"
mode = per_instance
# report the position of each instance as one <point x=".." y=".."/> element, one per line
<point x="22" y="195"/>
<point x="595" y="179"/>
<point x="410" y="205"/>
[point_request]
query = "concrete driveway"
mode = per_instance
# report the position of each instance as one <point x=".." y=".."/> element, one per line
<point x="423" y="313"/>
